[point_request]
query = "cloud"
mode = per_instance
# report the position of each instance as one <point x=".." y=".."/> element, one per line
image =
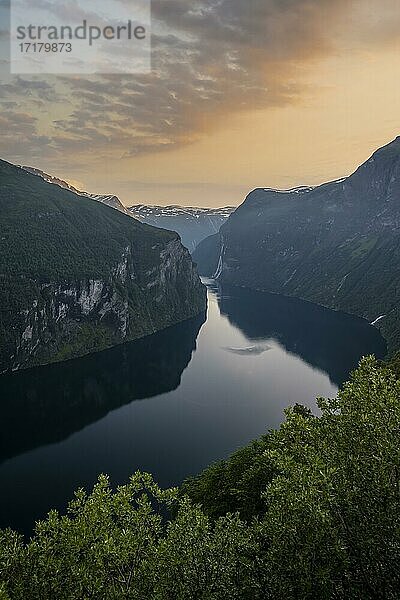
<point x="20" y="134"/>
<point x="211" y="58"/>
<point x="29" y="88"/>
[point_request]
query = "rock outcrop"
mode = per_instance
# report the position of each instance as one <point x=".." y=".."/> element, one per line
<point x="77" y="277"/>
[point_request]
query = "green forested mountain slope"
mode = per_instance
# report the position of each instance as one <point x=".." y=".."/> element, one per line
<point x="77" y="276"/>
<point x="337" y="244"/>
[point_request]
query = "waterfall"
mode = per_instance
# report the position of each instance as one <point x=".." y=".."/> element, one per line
<point x="218" y="272"/>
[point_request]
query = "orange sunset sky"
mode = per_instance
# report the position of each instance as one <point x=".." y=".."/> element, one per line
<point x="242" y="94"/>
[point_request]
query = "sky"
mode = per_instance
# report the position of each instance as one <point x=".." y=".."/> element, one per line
<point x="242" y="94"/>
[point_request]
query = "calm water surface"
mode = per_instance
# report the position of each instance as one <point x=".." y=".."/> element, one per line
<point x="172" y="403"/>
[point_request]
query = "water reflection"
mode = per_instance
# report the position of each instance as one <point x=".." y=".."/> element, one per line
<point x="328" y="340"/>
<point x="46" y="405"/>
<point x="256" y="354"/>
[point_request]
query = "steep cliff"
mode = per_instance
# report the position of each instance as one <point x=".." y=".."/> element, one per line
<point x="77" y="276"/>
<point x="337" y="244"/>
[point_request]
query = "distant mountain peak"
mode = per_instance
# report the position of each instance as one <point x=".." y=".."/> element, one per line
<point x="192" y="223"/>
<point x="172" y="209"/>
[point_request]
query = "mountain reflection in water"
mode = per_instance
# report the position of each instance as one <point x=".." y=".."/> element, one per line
<point x="207" y="388"/>
<point x="328" y="340"/>
<point x="46" y="405"/>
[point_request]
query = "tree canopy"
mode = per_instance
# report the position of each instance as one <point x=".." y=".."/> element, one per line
<point x="310" y="511"/>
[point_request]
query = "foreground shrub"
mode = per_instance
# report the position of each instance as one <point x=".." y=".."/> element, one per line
<point x="311" y="511"/>
<point x="118" y="545"/>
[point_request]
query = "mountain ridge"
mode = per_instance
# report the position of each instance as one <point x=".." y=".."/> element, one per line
<point x="336" y="245"/>
<point x="77" y="276"/>
<point x="108" y="199"/>
<point x="193" y="224"/>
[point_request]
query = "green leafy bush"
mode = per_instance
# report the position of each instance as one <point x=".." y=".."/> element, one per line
<point x="311" y="511"/>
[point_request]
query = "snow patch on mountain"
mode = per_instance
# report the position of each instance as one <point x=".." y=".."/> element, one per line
<point x="303" y="189"/>
<point x="144" y="210"/>
<point x="192" y="223"/>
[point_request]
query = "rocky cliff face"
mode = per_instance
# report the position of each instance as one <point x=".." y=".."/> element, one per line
<point x="77" y="277"/>
<point x="336" y="244"/>
<point x="68" y="319"/>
